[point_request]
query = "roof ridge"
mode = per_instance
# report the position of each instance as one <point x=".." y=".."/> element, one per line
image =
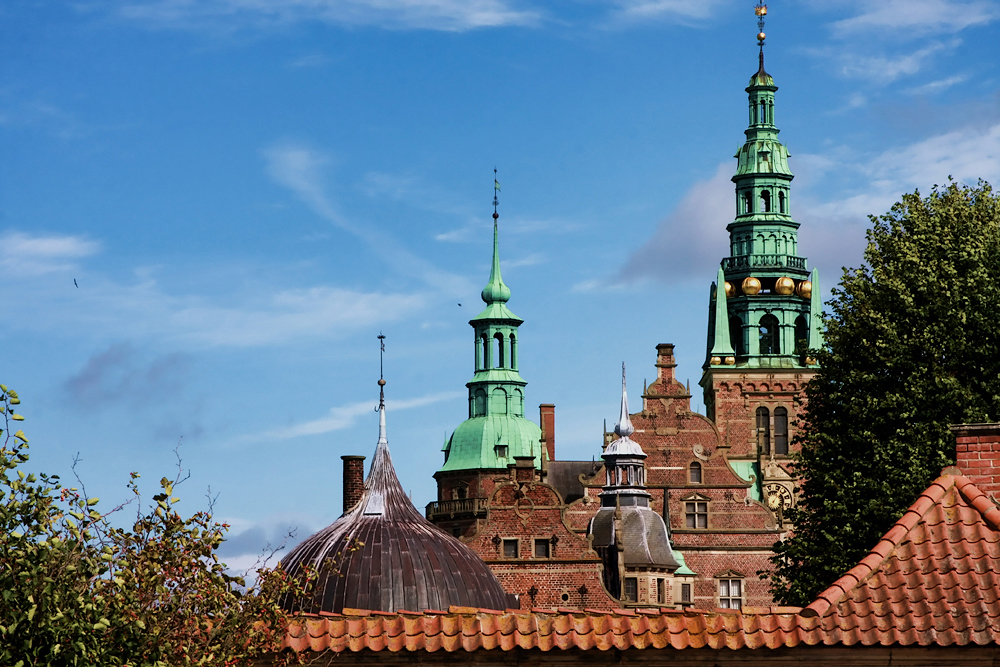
<point x="886" y="545"/>
<point x="979" y="501"/>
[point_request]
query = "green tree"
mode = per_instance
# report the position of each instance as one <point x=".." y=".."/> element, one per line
<point x="912" y="346"/>
<point x="78" y="590"/>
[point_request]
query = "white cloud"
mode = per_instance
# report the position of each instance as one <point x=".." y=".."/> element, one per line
<point x="344" y="416"/>
<point x="918" y="17"/>
<point x="33" y="255"/>
<point x="681" y="11"/>
<point x="299" y="168"/>
<point x="937" y="86"/>
<point x="690" y="241"/>
<point x="228" y="15"/>
<point x="884" y="69"/>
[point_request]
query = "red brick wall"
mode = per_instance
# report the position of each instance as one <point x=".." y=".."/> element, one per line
<point x="977" y="455"/>
<point x="547" y="420"/>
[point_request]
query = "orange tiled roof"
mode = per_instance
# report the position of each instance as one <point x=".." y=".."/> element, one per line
<point x="932" y="580"/>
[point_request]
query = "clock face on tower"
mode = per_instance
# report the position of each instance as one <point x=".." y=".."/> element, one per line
<point x="778" y="497"/>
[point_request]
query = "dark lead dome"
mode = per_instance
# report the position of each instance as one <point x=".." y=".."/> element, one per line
<point x="400" y="561"/>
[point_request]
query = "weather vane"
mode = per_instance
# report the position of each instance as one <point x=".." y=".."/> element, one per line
<point x="496" y="189"/>
<point x="381" y="375"/>
<point x="760" y="9"/>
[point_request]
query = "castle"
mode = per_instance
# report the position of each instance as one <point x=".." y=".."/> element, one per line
<point x="564" y="533"/>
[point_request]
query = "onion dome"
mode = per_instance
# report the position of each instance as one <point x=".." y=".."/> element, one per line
<point x="383" y="555"/>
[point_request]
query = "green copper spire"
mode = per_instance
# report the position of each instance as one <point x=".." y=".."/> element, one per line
<point x="496" y="291"/>
<point x="769" y="315"/>
<point x="496" y="430"/>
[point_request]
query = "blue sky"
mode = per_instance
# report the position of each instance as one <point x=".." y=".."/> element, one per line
<point x="248" y="191"/>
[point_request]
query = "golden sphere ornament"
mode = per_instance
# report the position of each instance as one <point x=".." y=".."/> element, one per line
<point x="715" y="361"/>
<point x="761" y="36"/>
<point x="751" y="286"/>
<point x="730" y="290"/>
<point x="784" y="286"/>
<point x="730" y="361"/>
<point x="804" y="289"/>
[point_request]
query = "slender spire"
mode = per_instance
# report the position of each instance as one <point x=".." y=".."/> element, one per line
<point x="624" y="426"/>
<point x="496" y="291"/>
<point x="722" y="347"/>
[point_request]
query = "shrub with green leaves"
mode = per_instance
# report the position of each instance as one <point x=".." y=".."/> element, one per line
<point x="77" y="590"/>
<point x="912" y="346"/>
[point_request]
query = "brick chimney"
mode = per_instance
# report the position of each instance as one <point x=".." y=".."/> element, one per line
<point x="977" y="455"/>
<point x="547" y="419"/>
<point x="665" y="363"/>
<point x="354" y="480"/>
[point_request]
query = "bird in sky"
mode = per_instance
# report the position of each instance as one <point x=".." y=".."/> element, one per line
<point x="78" y="287"/>
<point x="460" y="305"/>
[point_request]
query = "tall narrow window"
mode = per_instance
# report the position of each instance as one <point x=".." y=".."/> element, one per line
<point x="498" y="337"/>
<point x="695" y="473"/>
<point x="780" y="431"/>
<point x="769" y="335"/>
<point x="781" y="202"/>
<point x="731" y="593"/>
<point x="661" y="591"/>
<point x="763" y="111"/>
<point x="685" y="593"/>
<point x="765" y="201"/>
<point x="747" y="202"/>
<point x="485" y="343"/>
<point x="764" y="430"/>
<point x="736" y="335"/>
<point x="513" y="352"/>
<point x="631" y="589"/>
<point x="479" y="404"/>
<point x="801" y="334"/>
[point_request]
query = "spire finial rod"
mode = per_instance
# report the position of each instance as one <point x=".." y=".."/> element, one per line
<point x="381" y="390"/>
<point x="496" y="190"/>
<point x="760" y="9"/>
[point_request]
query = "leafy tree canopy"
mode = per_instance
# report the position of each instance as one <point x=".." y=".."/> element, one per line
<point x="912" y="346"/>
<point x="77" y="590"/>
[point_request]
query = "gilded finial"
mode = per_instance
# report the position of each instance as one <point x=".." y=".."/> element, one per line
<point x="760" y="9"/>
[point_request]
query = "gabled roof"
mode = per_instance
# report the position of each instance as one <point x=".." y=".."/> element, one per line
<point x="934" y="578"/>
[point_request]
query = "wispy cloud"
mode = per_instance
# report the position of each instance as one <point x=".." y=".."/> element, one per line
<point x="884" y="69"/>
<point x="35" y="254"/>
<point x="263" y="315"/>
<point x="299" y="168"/>
<point x="938" y="86"/>
<point x="687" y="242"/>
<point x="230" y="15"/>
<point x="918" y="17"/>
<point x="342" y="417"/>
<point x="120" y="374"/>
<point x="678" y="11"/>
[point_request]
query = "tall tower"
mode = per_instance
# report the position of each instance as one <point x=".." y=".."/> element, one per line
<point x="496" y="433"/>
<point x="764" y="308"/>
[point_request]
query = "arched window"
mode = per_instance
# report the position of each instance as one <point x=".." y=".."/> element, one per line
<point x="747" y="202"/>
<point x="736" y="335"/>
<point x="765" y="201"/>
<point x="764" y="430"/>
<point x="801" y="333"/>
<point x="513" y="352"/>
<point x="694" y="473"/>
<point x="479" y="354"/>
<point x="780" y="431"/>
<point x="781" y="202"/>
<point x="498" y="337"/>
<point x="769" y="343"/>
<point x="479" y="404"/>
<point x="753" y="113"/>
<point x="487" y="360"/>
<point x="763" y="111"/>
<point x="498" y="402"/>
<point x="518" y="406"/>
